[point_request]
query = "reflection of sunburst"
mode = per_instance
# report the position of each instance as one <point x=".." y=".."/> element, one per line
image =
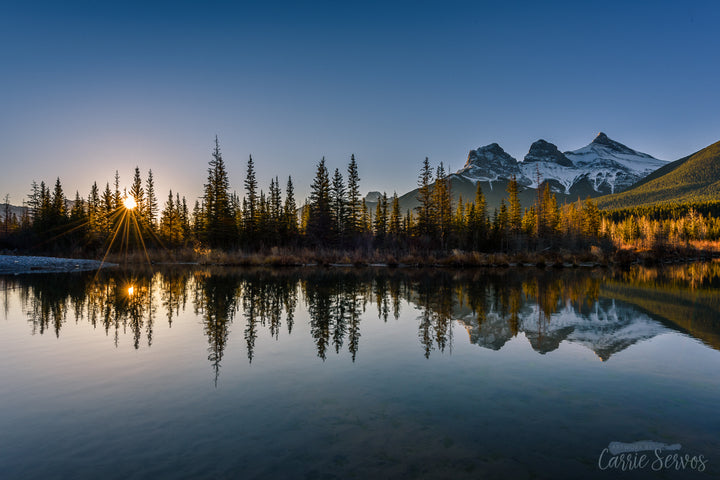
<point x="131" y="290"/>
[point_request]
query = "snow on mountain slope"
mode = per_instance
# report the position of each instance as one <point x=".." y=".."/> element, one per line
<point x="608" y="164"/>
<point x="545" y="162"/>
<point x="490" y="163"/>
<point x="605" y="165"/>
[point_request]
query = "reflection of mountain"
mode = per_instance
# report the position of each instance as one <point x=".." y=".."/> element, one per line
<point x="694" y="311"/>
<point x="607" y="328"/>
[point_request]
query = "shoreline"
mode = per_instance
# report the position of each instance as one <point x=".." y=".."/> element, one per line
<point x="19" y="264"/>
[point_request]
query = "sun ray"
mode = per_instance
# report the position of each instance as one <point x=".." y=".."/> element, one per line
<point x="142" y="242"/>
<point x="112" y="241"/>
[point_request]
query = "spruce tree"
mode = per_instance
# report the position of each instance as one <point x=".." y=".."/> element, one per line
<point x="395" y="220"/>
<point x="354" y="213"/>
<point x="251" y="204"/>
<point x="320" y="226"/>
<point x="117" y="197"/>
<point x="514" y="208"/>
<point x="591" y="218"/>
<point x="138" y="193"/>
<point x="381" y="218"/>
<point x="151" y="210"/>
<point x="425" y="209"/>
<point x="33" y="201"/>
<point x="94" y="209"/>
<point x="441" y="202"/>
<point x="58" y="208"/>
<point x="339" y="202"/>
<point x="170" y="226"/>
<point x="219" y="228"/>
<point x="291" y="219"/>
<point x="107" y="210"/>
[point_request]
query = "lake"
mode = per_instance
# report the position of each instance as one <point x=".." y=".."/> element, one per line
<point x="361" y="373"/>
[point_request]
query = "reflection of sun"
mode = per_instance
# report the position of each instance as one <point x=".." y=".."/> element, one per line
<point x="129" y="202"/>
<point x="131" y="290"/>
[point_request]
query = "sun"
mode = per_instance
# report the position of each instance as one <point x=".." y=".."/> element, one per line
<point x="129" y="202"/>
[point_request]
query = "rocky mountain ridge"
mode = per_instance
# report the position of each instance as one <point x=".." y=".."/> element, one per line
<point x="603" y="166"/>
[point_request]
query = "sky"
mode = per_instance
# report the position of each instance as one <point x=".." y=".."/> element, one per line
<point x="88" y="88"/>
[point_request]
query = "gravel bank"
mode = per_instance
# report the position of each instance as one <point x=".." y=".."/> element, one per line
<point x="11" y="264"/>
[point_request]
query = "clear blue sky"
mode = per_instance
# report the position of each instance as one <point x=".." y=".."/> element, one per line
<point x="91" y="87"/>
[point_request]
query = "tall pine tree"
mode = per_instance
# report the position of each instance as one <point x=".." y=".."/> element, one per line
<point x="219" y="228"/>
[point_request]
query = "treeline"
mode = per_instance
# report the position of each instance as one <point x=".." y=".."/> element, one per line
<point x="665" y="211"/>
<point x="334" y="216"/>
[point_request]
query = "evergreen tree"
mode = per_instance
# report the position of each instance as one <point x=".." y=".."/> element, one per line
<point x="117" y="198"/>
<point x="591" y="217"/>
<point x="185" y="219"/>
<point x="354" y="213"/>
<point x="219" y="228"/>
<point x="106" y="219"/>
<point x="151" y="201"/>
<point x="550" y="212"/>
<point x="93" y="210"/>
<point x="6" y="216"/>
<point x="198" y="220"/>
<point x="275" y="211"/>
<point x="408" y="223"/>
<point x="381" y="218"/>
<point x="500" y="224"/>
<point x="291" y="219"/>
<point x="528" y="221"/>
<point x="320" y="226"/>
<point x="480" y="206"/>
<point x="425" y="209"/>
<point x="170" y="225"/>
<point x="251" y="204"/>
<point x="33" y="202"/>
<point x="45" y="210"/>
<point x="138" y="193"/>
<point x="77" y="212"/>
<point x="58" y="207"/>
<point x="339" y="202"/>
<point x="395" y="220"/>
<point x="366" y="226"/>
<point x="441" y="200"/>
<point x="514" y="208"/>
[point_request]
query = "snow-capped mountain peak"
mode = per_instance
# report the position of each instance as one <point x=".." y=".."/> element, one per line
<point x="610" y="166"/>
<point x="603" y="140"/>
<point x="542" y="151"/>
<point x="488" y="164"/>
<point x="603" y="166"/>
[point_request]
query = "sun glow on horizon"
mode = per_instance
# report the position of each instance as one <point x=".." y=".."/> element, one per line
<point x="129" y="202"/>
<point x="131" y="290"/>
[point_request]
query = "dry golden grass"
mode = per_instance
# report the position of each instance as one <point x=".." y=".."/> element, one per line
<point x="623" y="254"/>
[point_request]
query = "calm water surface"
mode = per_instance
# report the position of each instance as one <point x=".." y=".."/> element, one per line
<point x="202" y="373"/>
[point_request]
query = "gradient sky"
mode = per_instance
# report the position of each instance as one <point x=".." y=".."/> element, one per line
<point x="91" y="87"/>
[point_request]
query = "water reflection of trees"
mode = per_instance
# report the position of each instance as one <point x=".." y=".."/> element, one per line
<point x="335" y="304"/>
<point x="497" y="304"/>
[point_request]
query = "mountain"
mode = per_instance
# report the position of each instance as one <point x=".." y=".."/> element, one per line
<point x="373" y="197"/>
<point x="695" y="178"/>
<point x="18" y="211"/>
<point x="601" y="167"/>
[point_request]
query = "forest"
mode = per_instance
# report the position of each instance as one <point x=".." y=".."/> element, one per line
<point x="335" y="224"/>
